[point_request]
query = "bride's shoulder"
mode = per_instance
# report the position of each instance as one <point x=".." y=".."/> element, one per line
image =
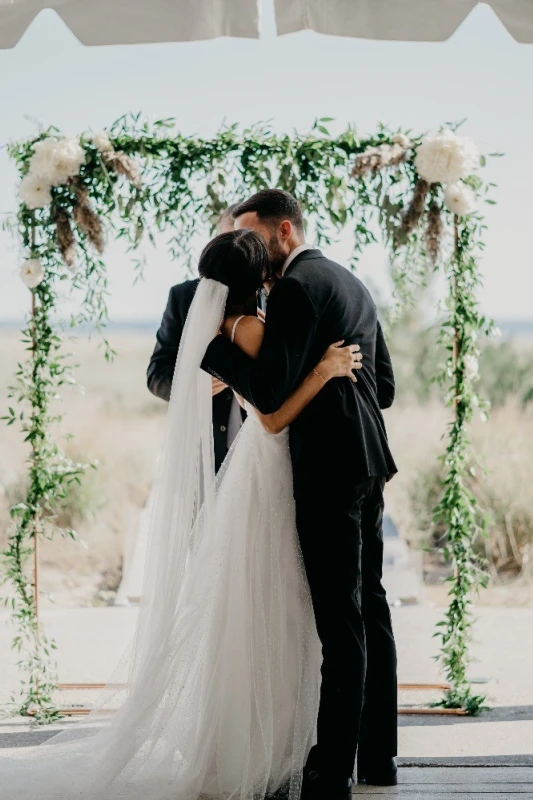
<point x="246" y="331"/>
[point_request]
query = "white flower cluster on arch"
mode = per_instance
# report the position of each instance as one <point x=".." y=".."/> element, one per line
<point x="446" y="158"/>
<point x="57" y="161"/>
<point x="53" y="162"/>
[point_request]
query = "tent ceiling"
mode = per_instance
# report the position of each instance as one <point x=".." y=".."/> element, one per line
<point x="398" y="20"/>
<point x="100" y="22"/>
<point x="97" y="22"/>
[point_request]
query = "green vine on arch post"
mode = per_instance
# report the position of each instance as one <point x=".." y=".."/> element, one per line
<point x="457" y="510"/>
<point x="37" y="383"/>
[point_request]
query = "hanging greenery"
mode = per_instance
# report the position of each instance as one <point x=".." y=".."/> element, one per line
<point x="421" y="194"/>
<point x="457" y="509"/>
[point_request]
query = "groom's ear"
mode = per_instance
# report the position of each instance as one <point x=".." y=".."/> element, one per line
<point x="285" y="230"/>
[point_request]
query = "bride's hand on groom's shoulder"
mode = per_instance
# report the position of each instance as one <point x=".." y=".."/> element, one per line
<point x="340" y="362"/>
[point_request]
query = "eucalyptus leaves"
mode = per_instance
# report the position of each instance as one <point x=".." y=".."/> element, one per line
<point x="138" y="179"/>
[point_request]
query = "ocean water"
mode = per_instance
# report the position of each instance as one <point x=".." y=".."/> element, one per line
<point x="511" y="329"/>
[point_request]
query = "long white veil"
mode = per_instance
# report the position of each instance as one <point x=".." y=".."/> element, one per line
<point x="128" y="744"/>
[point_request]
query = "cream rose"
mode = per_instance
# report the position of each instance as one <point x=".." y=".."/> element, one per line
<point x="57" y="160"/>
<point x="445" y="157"/>
<point x="32" y="272"/>
<point x="101" y="141"/>
<point x="35" y="191"/>
<point x="460" y="199"/>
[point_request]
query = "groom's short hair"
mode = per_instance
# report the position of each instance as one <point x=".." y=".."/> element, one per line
<point x="272" y="204"/>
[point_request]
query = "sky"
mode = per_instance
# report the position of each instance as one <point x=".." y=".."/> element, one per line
<point x="481" y="73"/>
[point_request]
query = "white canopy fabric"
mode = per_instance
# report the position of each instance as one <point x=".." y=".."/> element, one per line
<point x="101" y="22"/>
<point x="398" y="20"/>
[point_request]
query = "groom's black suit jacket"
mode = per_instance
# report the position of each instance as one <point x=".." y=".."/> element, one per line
<point x="340" y="438"/>
<point x="163" y="361"/>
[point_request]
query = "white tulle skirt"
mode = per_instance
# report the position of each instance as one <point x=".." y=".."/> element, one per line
<point x="222" y="700"/>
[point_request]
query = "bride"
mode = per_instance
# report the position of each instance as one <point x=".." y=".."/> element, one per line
<point x="221" y="683"/>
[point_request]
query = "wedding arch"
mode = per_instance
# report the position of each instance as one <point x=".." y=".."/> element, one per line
<point x="423" y="192"/>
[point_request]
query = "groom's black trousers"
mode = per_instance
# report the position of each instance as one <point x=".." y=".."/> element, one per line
<point x="342" y="545"/>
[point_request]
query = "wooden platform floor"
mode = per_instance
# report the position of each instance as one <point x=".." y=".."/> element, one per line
<point x="472" y="783"/>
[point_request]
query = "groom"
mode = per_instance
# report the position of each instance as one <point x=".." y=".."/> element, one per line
<point x="341" y="461"/>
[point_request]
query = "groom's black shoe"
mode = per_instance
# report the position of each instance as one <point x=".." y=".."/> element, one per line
<point x="377" y="772"/>
<point x="317" y="786"/>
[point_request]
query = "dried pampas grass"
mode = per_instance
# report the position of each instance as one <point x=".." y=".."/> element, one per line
<point x="88" y="221"/>
<point x="415" y="209"/>
<point x="65" y="239"/>
<point x="375" y="159"/>
<point x="123" y="165"/>
<point x="434" y="232"/>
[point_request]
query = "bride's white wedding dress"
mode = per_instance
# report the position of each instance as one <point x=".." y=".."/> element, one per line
<point x="223" y="675"/>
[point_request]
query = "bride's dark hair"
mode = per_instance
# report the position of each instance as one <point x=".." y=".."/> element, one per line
<point x="239" y="259"/>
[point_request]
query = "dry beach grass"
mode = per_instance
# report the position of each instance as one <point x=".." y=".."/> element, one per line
<point x="118" y="422"/>
<point x="115" y="421"/>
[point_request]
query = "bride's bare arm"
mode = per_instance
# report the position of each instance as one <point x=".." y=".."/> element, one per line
<point x="337" y="362"/>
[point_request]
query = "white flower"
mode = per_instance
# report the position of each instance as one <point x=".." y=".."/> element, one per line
<point x="460" y="199"/>
<point x="57" y="160"/>
<point x="445" y="157"/>
<point x="496" y="332"/>
<point x="35" y="191"/>
<point x="471" y="365"/>
<point x="32" y="272"/>
<point x="403" y="140"/>
<point x="101" y="141"/>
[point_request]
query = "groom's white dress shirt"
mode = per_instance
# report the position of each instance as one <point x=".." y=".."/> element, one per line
<point x="296" y="252"/>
